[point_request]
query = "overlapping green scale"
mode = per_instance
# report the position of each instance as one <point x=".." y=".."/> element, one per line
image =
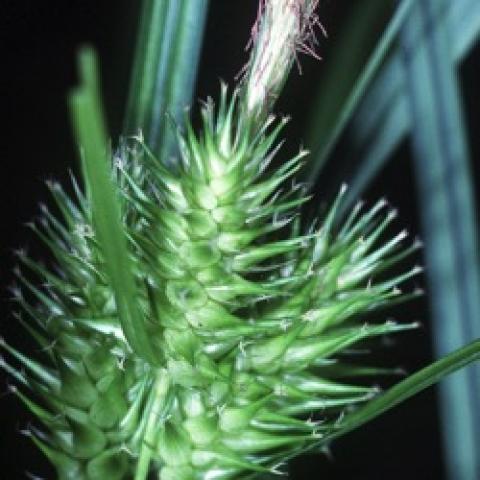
<point x="248" y="319"/>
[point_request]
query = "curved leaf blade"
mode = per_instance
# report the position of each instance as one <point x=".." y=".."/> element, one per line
<point x="409" y="387"/>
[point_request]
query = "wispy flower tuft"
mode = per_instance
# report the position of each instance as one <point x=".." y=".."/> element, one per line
<point x="283" y="28"/>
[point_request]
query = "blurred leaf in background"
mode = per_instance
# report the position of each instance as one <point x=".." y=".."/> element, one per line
<point x="164" y="70"/>
<point x="409" y="86"/>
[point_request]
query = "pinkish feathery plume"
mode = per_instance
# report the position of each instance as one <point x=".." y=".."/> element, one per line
<point x="283" y="28"/>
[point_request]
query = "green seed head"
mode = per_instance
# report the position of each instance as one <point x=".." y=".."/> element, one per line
<point x="248" y="319"/>
<point x="245" y="319"/>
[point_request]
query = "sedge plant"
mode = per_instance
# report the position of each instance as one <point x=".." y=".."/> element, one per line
<point x="193" y="328"/>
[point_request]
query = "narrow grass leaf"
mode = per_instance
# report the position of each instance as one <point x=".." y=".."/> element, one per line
<point x="165" y="67"/>
<point x="91" y="133"/>
<point x="408" y="388"/>
<point x="324" y="141"/>
<point x="382" y="121"/>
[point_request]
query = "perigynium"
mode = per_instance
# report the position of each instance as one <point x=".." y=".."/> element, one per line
<point x="246" y="318"/>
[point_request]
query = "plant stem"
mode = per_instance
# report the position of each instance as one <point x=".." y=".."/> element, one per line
<point x="159" y="393"/>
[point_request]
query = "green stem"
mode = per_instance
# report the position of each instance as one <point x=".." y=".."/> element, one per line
<point x="159" y="393"/>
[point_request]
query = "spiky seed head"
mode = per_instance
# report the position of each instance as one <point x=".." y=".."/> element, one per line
<point x="249" y="317"/>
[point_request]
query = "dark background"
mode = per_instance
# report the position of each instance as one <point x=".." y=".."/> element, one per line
<point x="38" y="42"/>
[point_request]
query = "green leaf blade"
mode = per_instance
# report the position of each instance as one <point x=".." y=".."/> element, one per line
<point x="324" y="141"/>
<point x="409" y="387"/>
<point x="90" y="129"/>
<point x="166" y="61"/>
<point x="383" y="102"/>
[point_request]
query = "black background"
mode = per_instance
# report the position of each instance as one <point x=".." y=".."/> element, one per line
<point x="39" y="41"/>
